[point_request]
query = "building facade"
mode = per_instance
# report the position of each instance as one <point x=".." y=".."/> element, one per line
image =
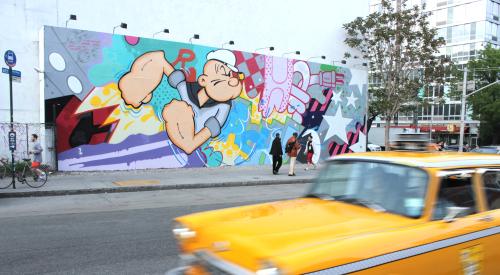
<point x="467" y="26"/>
<point x="75" y="77"/>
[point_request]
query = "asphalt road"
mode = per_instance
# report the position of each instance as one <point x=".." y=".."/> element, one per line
<point x="120" y="233"/>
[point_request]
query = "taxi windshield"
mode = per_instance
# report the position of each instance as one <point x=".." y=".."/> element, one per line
<point x="383" y="187"/>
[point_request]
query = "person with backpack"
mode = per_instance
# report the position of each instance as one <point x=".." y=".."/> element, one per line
<point x="292" y="149"/>
<point x="277" y="153"/>
<point x="309" y="153"/>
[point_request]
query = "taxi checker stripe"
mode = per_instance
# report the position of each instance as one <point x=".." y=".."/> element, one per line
<point x="406" y="253"/>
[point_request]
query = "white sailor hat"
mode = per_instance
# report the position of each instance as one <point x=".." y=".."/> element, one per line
<point x="225" y="56"/>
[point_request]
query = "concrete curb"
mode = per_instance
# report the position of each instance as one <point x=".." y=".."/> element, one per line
<point x="43" y="193"/>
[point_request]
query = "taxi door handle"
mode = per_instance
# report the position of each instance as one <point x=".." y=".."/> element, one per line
<point x="486" y="218"/>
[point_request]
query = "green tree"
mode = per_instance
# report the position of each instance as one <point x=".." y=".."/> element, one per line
<point x="402" y="50"/>
<point x="485" y="104"/>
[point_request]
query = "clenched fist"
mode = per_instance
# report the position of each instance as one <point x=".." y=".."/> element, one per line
<point x="179" y="123"/>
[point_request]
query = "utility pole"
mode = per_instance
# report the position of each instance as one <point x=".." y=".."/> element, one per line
<point x="10" y="61"/>
<point x="462" y="113"/>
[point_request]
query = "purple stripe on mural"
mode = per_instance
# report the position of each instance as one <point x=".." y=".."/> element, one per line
<point x="98" y="149"/>
<point x="136" y="150"/>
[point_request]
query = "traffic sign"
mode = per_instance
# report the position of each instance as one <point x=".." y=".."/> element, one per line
<point x="10" y="58"/>
<point x="471" y="85"/>
<point x="15" y="73"/>
<point x="12" y="141"/>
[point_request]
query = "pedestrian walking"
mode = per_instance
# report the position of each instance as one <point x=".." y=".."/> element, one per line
<point x="37" y="156"/>
<point x="309" y="152"/>
<point x="441" y="146"/>
<point x="292" y="149"/>
<point x="466" y="147"/>
<point x="277" y="153"/>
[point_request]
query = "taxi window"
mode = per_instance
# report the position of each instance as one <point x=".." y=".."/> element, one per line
<point x="491" y="180"/>
<point x="455" y="191"/>
<point x="385" y="187"/>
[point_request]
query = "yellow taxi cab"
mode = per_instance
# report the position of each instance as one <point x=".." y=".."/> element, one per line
<point x="367" y="213"/>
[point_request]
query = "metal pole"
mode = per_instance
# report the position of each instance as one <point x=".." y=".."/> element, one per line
<point x="431" y="121"/>
<point x="462" y="113"/>
<point x="54" y="132"/>
<point x="12" y="127"/>
<point x="432" y="114"/>
<point x="367" y="107"/>
<point x="27" y="141"/>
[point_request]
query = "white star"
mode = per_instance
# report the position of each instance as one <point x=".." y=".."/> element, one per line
<point x="360" y="145"/>
<point x="337" y="125"/>
<point x="359" y="78"/>
<point x="351" y="100"/>
<point x="336" y="97"/>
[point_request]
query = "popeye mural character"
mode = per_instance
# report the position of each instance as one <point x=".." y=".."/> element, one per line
<point x="204" y="105"/>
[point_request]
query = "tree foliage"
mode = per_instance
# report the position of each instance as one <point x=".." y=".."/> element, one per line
<point x="402" y="50"/>
<point x="485" y="104"/>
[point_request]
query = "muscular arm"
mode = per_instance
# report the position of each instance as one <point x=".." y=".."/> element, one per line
<point x="144" y="76"/>
<point x="179" y="123"/>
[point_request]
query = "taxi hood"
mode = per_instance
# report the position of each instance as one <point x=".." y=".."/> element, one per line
<point x="272" y="229"/>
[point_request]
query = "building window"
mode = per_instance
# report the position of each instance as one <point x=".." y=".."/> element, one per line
<point x="472" y="51"/>
<point x="441" y="33"/>
<point x="493" y="10"/>
<point x="473" y="31"/>
<point x="480" y="30"/>
<point x="440" y="16"/>
<point x="441" y="3"/>
<point x="475" y="12"/>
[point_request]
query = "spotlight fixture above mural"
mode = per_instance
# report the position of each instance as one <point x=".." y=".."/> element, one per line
<point x="343" y="61"/>
<point x="122" y="25"/>
<point x="319" y="56"/>
<point x="195" y="36"/>
<point x="72" y="17"/>
<point x="271" y="48"/>
<point x="295" y="52"/>
<point x="162" y="31"/>
<point x="364" y="64"/>
<point x="230" y="42"/>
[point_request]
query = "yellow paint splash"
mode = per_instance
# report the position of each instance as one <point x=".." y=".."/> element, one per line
<point x="230" y="150"/>
<point x="143" y="118"/>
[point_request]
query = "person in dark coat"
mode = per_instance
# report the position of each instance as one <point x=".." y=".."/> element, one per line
<point x="277" y="153"/>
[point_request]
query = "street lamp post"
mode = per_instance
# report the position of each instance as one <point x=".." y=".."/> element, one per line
<point x="462" y="113"/>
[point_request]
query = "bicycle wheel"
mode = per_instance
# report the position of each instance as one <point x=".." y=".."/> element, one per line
<point x="33" y="180"/>
<point x="5" y="177"/>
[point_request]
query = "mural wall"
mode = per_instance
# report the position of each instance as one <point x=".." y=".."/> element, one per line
<point x="124" y="102"/>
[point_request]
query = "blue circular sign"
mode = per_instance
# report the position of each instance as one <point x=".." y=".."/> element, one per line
<point x="10" y="58"/>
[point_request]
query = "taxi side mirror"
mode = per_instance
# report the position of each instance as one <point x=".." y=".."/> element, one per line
<point x="453" y="212"/>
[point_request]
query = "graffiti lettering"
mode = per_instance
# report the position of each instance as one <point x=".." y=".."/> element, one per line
<point x="184" y="56"/>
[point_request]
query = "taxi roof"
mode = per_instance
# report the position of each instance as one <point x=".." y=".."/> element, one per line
<point x="434" y="159"/>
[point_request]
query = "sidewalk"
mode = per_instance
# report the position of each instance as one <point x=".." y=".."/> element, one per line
<point x="72" y="183"/>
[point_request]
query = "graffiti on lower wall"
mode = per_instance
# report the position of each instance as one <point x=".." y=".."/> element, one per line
<point x="124" y="102"/>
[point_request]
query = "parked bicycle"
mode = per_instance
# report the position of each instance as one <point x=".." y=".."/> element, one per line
<point x="23" y="173"/>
